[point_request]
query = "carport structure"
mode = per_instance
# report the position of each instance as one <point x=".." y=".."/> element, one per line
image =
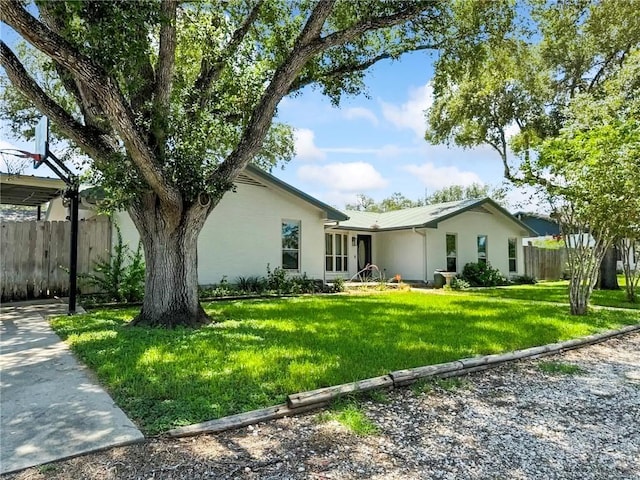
<point x="32" y="191"/>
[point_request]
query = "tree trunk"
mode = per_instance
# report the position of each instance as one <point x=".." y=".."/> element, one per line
<point x="171" y="265"/>
<point x="608" y="279"/>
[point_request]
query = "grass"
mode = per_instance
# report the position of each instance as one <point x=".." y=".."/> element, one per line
<point x="349" y="414"/>
<point x="262" y="350"/>
<point x="560" y="368"/>
<point x="558" y="292"/>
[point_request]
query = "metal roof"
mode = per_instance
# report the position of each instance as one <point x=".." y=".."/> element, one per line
<point x="420" y="217"/>
<point x="29" y="190"/>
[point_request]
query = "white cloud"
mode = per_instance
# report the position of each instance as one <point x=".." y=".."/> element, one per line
<point x="440" y="177"/>
<point x="385" y="151"/>
<point x="410" y="115"/>
<point x="354" y="113"/>
<point x="344" y="177"/>
<point x="305" y="146"/>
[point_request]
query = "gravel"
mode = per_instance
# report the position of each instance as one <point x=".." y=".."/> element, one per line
<point x="515" y="422"/>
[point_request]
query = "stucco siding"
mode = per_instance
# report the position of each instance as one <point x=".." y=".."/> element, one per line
<point x="243" y="235"/>
<point x="400" y="252"/>
<point x="467" y="226"/>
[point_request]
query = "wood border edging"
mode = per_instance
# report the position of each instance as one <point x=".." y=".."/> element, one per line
<point x="302" y="402"/>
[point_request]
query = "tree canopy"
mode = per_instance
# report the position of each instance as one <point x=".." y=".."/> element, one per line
<point x="171" y="100"/>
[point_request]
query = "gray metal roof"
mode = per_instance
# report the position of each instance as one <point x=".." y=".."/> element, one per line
<point x="418" y="217"/>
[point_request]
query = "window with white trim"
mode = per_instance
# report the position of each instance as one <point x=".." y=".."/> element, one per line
<point x="336" y="252"/>
<point x="452" y="252"/>
<point x="482" y="249"/>
<point x="291" y="244"/>
<point x="513" y="259"/>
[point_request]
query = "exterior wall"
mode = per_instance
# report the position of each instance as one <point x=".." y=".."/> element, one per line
<point x="243" y="235"/>
<point x="467" y="226"/>
<point x="58" y="212"/>
<point x="400" y="252"/>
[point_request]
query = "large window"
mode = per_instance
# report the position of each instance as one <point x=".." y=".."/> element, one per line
<point x="452" y="253"/>
<point x="482" y="249"/>
<point x="513" y="263"/>
<point x="335" y="245"/>
<point x="291" y="244"/>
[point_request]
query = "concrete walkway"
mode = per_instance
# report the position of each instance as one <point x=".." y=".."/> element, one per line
<point x="50" y="407"/>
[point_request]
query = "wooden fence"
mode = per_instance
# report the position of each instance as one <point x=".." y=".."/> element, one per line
<point x="34" y="258"/>
<point x="545" y="263"/>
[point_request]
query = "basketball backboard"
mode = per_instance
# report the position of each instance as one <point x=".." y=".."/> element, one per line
<point x="42" y="142"/>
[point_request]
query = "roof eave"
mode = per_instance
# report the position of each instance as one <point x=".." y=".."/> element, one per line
<point x="330" y="212"/>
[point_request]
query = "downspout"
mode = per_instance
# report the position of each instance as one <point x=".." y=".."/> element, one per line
<point x="424" y="251"/>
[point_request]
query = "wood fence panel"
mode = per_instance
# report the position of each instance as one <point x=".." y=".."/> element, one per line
<point x="545" y="263"/>
<point x="35" y="256"/>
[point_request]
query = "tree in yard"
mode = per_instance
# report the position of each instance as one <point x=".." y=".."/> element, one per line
<point x="171" y="100"/>
<point x="522" y="92"/>
<point x="593" y="168"/>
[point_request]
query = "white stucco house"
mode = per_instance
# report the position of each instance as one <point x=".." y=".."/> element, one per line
<point x="415" y="242"/>
<point x="266" y="221"/>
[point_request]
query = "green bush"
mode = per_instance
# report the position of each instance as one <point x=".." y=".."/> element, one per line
<point x="252" y="284"/>
<point x="120" y="276"/>
<point x="277" y="280"/>
<point x="482" y="275"/>
<point x="524" y="280"/>
<point x="338" y="284"/>
<point x="459" y="284"/>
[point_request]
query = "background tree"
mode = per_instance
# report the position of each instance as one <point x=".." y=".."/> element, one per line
<point x="462" y="192"/>
<point x="593" y="167"/>
<point x="513" y="91"/>
<point x="171" y="100"/>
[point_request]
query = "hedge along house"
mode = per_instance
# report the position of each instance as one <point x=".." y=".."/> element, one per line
<point x="263" y="221"/>
<point x="415" y="242"/>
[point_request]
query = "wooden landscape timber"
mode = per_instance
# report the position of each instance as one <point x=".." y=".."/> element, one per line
<point x="311" y="400"/>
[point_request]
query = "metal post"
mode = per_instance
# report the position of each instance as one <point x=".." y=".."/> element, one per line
<point x="39" y="217"/>
<point x="73" y="257"/>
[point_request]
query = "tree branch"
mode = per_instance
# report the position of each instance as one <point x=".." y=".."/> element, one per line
<point x="210" y="71"/>
<point x="341" y="70"/>
<point x="104" y="88"/>
<point x="166" y="56"/>
<point x="344" y="36"/>
<point x="304" y="48"/>
<point x="87" y="138"/>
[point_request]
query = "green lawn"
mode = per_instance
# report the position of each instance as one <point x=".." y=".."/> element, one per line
<point x="262" y="350"/>
<point x="558" y="292"/>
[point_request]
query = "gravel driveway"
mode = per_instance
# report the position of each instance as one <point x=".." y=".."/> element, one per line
<point x="513" y="422"/>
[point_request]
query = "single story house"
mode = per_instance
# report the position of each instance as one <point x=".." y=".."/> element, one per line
<point x="265" y="221"/>
<point x="415" y="242"/>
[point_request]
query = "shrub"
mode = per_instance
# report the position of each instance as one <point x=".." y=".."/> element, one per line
<point x="338" y="284"/>
<point x="302" y="284"/>
<point x="277" y="280"/>
<point x="524" y="280"/>
<point x="252" y="284"/>
<point x="482" y="275"/>
<point x="121" y="275"/>
<point x="459" y="284"/>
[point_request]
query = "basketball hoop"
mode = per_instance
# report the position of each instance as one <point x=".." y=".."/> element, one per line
<point x="19" y="165"/>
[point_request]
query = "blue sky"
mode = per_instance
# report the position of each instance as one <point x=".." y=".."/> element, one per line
<point x="376" y="145"/>
<point x="371" y="144"/>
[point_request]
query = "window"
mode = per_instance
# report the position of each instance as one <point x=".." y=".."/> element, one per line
<point x="336" y="250"/>
<point x="513" y="264"/>
<point x="452" y="252"/>
<point x="291" y="244"/>
<point x="482" y="249"/>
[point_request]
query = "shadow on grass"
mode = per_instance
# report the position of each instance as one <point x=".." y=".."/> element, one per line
<point x="260" y="351"/>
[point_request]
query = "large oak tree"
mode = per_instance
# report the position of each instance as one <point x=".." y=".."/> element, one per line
<point x="171" y="100"/>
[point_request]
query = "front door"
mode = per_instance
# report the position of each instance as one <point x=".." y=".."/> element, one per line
<point x="364" y="253"/>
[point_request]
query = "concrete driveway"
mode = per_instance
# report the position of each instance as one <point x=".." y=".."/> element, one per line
<point x="50" y="407"/>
